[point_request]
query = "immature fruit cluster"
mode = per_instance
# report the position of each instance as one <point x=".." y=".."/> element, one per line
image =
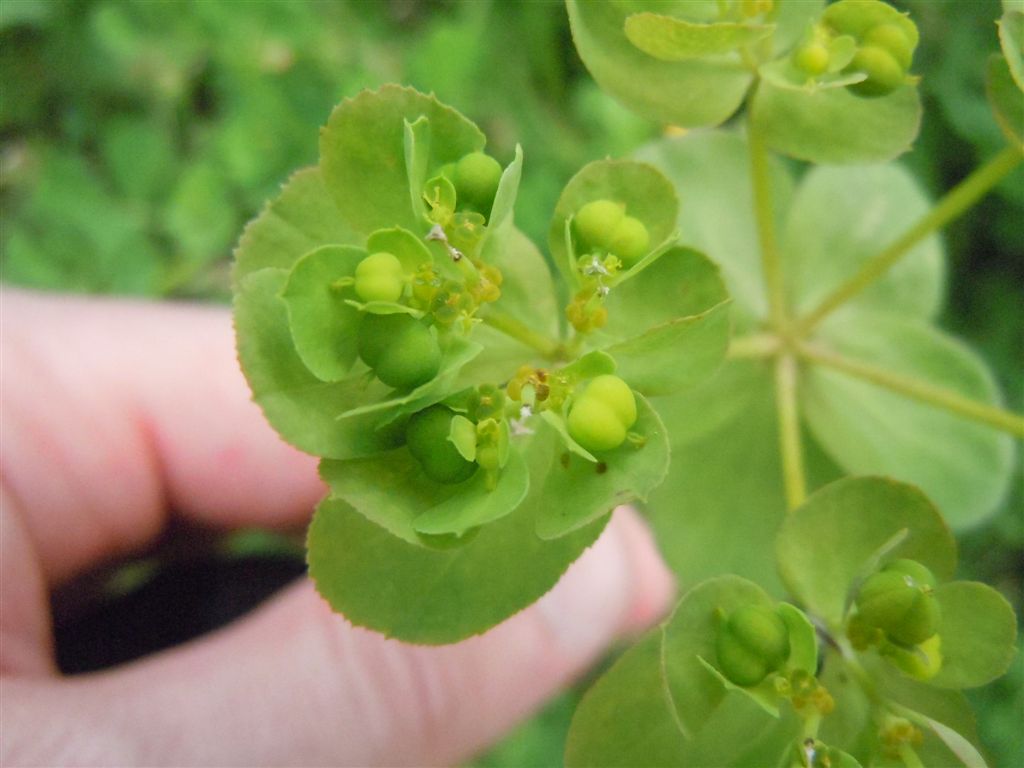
<point x="400" y="349"/>
<point x="898" y="600"/>
<point x="885" y="43"/>
<point x="602" y="225"/>
<point x="602" y="414"/>
<point x="751" y="643"/>
<point x="427" y="439"/>
<point x="380" y="277"/>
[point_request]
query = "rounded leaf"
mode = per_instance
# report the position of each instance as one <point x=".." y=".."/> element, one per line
<point x="435" y="596"/>
<point x="323" y="325"/>
<point x="833" y="126"/>
<point x="689" y="93"/>
<point x="842" y="532"/>
<point x="362" y="153"/>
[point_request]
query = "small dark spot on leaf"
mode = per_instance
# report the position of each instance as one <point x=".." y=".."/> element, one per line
<point x="601" y="467"/>
<point x="565" y="460"/>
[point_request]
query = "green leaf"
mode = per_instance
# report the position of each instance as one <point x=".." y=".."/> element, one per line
<point x="416" y="152"/>
<point x="965" y="467"/>
<point x="1011" y="39"/>
<point x="1005" y="98"/>
<point x="696" y="346"/>
<point x="834" y="126"/>
<point x="683" y="283"/>
<point x="624" y="719"/>
<point x="478" y="503"/>
<point x="712" y="172"/>
<point x="671" y="39"/>
<point x="842" y="217"/>
<point x="978" y="631"/>
<point x="763" y="694"/>
<point x="715" y="517"/>
<point x="456" y="352"/>
<point x="690" y="633"/>
<point x="298" y="220"/>
<point x="645" y="192"/>
<point x="362" y="154"/>
<point x="587" y="491"/>
<point x="557" y="422"/>
<point x="322" y="323"/>
<point x="823" y="546"/>
<point x="689" y="93"/>
<point x="505" y="197"/>
<point x="392" y="491"/>
<point x="803" y="639"/>
<point x="410" y="250"/>
<point x="437" y="596"/>
<point x="301" y="407"/>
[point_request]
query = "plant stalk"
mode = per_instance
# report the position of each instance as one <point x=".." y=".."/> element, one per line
<point x="771" y="261"/>
<point x="951" y="206"/>
<point x="519" y="331"/>
<point x="945" y="399"/>
<point x="793" y="477"/>
<point x="753" y="346"/>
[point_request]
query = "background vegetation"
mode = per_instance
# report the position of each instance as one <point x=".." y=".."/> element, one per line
<point x="136" y="139"/>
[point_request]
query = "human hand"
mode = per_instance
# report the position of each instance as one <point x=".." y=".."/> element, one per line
<point x="117" y="415"/>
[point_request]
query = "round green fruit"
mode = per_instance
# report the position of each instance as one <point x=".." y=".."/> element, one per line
<point x="380" y="277"/>
<point x="601" y="415"/>
<point x="892" y="38"/>
<point x="884" y="74"/>
<point x="596" y="223"/>
<point x="476" y="178"/>
<point x="898" y="600"/>
<point x="630" y="240"/>
<point x="400" y="349"/>
<point x="751" y="643"/>
<point x="427" y="439"/>
<point x="812" y="59"/>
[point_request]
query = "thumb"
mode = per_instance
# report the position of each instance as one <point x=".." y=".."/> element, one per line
<point x="296" y="684"/>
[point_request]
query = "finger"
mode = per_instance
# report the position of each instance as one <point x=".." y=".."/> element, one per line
<point x="116" y="412"/>
<point x="295" y="684"/>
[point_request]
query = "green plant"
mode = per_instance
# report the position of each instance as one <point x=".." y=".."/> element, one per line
<point x="463" y="420"/>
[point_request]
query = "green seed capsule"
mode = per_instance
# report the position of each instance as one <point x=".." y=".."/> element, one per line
<point x="601" y="415"/>
<point x="892" y="38"/>
<point x="883" y="71"/>
<point x="630" y="240"/>
<point x="380" y="277"/>
<point x="751" y="643"/>
<point x="812" y="59"/>
<point x="476" y="178"/>
<point x="898" y="600"/>
<point x="596" y="224"/>
<point x="400" y="349"/>
<point x="427" y="439"/>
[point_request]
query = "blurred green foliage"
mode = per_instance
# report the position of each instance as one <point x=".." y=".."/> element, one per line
<point x="136" y="139"/>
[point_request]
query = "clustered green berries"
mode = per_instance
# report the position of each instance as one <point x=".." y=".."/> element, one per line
<point x="401" y="350"/>
<point x="426" y="436"/>
<point x="380" y="277"/>
<point x="602" y="225"/>
<point x="898" y="601"/>
<point x="751" y="643"/>
<point x="601" y="415"/>
<point x="476" y="178"/>
<point x="885" y="38"/>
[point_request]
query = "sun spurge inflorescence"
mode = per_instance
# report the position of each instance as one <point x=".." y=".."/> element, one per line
<point x="479" y="408"/>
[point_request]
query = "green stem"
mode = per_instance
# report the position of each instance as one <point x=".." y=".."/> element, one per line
<point x="771" y="262"/>
<point x="944" y="399"/>
<point x="909" y="757"/>
<point x="755" y="345"/>
<point x="519" y="331"/>
<point x="793" y="477"/>
<point x="956" y="201"/>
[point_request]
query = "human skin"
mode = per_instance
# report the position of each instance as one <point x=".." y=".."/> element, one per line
<point x="117" y="416"/>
